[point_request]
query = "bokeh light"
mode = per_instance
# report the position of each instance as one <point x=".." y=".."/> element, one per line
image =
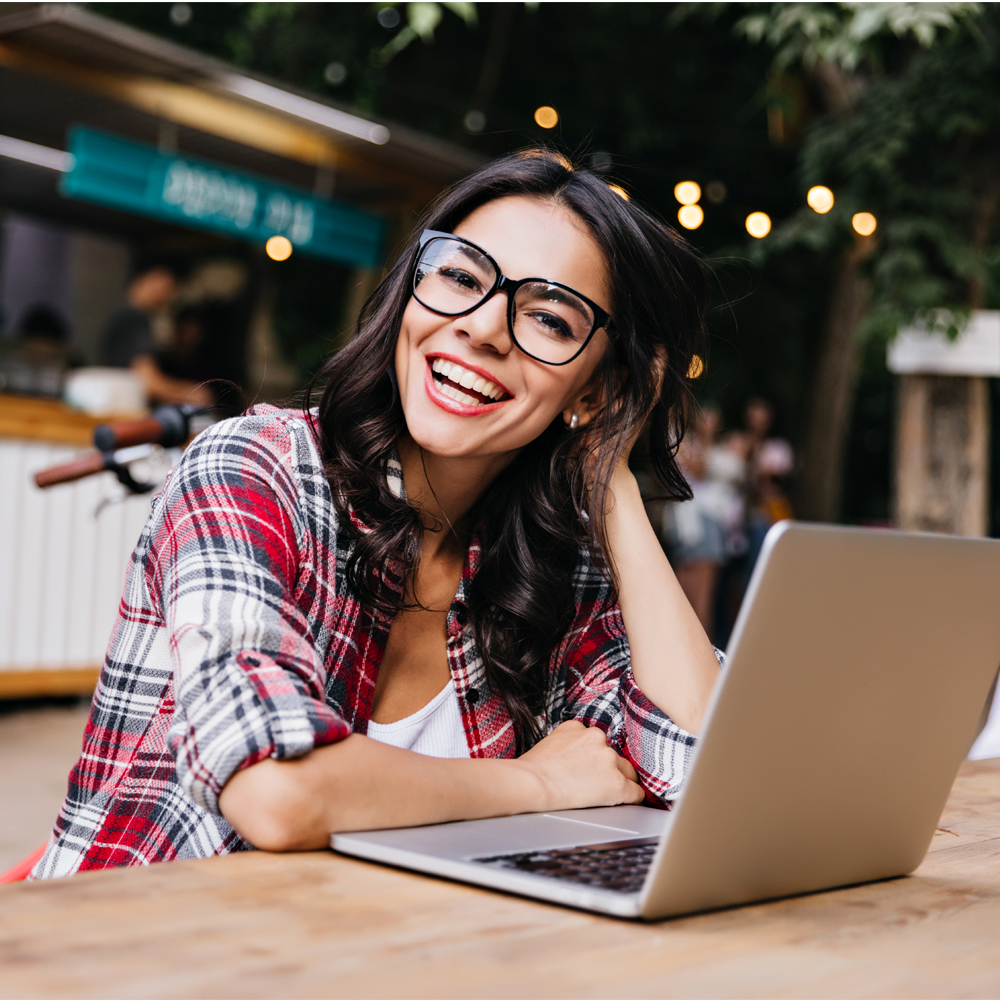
<point x="620" y="191"/>
<point x="687" y="192"/>
<point x="546" y="117"/>
<point x="758" y="224"/>
<point x="715" y="192"/>
<point x="696" y="368"/>
<point x="690" y="216"/>
<point x="820" y="199"/>
<point x="278" y="248"/>
<point x="864" y="223"/>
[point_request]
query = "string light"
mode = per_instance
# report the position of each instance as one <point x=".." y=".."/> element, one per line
<point x="690" y="216"/>
<point x="696" y="368"/>
<point x="758" y="224"/>
<point x="820" y="199"/>
<point x="278" y="248"/>
<point x="864" y="223"/>
<point x="687" y="192"/>
<point x="546" y="117"/>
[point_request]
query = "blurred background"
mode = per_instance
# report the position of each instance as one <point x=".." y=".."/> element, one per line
<point x="196" y="200"/>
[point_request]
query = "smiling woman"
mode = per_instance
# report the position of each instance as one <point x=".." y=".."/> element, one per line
<point x="437" y="595"/>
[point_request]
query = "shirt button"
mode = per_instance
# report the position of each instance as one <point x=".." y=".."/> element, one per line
<point x="472" y="696"/>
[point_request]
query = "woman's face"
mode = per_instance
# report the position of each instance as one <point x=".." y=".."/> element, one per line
<point x="528" y="238"/>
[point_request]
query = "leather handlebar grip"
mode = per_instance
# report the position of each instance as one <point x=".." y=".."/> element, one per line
<point x="86" y="465"/>
<point x="126" y="433"/>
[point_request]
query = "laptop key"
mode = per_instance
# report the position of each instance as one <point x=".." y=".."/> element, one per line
<point x="619" y="866"/>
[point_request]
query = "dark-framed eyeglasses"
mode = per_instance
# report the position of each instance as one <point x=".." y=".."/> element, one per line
<point x="548" y="321"/>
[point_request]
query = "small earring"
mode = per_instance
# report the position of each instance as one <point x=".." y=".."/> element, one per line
<point x="574" y="422"/>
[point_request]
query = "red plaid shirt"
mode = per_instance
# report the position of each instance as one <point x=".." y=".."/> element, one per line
<point x="238" y="638"/>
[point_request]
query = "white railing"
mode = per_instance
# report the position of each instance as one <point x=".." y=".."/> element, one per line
<point x="62" y="569"/>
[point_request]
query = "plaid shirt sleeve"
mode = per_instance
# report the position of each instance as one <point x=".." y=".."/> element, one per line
<point x="601" y="691"/>
<point x="226" y="557"/>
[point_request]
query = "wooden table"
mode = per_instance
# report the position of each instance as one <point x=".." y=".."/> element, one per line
<point x="318" y="925"/>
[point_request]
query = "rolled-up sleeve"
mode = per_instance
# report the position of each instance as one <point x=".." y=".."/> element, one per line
<point x="226" y="560"/>
<point x="601" y="691"/>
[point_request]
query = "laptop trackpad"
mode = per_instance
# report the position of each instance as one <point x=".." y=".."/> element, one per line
<point x="529" y="832"/>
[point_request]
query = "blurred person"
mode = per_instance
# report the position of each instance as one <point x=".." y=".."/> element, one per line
<point x="184" y="358"/>
<point x="693" y="531"/>
<point x="770" y="461"/>
<point x="127" y="341"/>
<point x="43" y="333"/>
<point x="35" y="360"/>
<point x="437" y="595"/>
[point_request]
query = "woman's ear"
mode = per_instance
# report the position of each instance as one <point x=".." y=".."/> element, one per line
<point x="581" y="410"/>
<point x="588" y="403"/>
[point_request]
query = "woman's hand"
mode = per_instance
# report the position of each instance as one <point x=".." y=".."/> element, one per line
<point x="575" y="768"/>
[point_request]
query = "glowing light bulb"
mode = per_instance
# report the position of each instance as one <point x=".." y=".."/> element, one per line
<point x="758" y="224"/>
<point x="690" y="216"/>
<point x="864" y="223"/>
<point x="278" y="248"/>
<point x="687" y="192"/>
<point x="546" y="117"/>
<point x="820" y="199"/>
<point x="696" y="368"/>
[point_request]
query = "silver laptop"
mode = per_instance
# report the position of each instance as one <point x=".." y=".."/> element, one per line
<point x="856" y="676"/>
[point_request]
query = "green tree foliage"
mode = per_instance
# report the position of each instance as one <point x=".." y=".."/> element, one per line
<point x="903" y="123"/>
<point x="911" y="136"/>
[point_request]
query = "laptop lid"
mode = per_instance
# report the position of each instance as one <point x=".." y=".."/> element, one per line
<point x="856" y="675"/>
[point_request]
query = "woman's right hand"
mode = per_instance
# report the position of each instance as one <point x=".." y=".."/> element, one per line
<point x="575" y="768"/>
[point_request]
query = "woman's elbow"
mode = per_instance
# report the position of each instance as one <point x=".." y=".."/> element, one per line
<point x="269" y="805"/>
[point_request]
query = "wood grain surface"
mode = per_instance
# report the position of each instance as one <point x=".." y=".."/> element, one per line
<point x="47" y="682"/>
<point x="318" y="925"/>
<point x="32" y="419"/>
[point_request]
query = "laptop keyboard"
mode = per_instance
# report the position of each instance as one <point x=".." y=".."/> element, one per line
<point x="620" y="866"/>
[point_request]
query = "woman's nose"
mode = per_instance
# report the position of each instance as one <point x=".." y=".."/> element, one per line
<point x="487" y="325"/>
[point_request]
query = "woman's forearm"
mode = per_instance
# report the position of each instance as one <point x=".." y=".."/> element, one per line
<point x="361" y="784"/>
<point x="672" y="658"/>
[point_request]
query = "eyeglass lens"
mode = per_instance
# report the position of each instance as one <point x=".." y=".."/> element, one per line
<point x="550" y="323"/>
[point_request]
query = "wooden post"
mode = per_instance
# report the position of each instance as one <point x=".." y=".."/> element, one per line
<point x="943" y="452"/>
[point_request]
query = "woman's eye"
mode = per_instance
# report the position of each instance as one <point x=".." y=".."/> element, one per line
<point x="553" y="324"/>
<point x="460" y="277"/>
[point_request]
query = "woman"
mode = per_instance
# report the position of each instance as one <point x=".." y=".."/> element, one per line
<point x="450" y="556"/>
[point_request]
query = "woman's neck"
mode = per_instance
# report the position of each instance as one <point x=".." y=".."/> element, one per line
<point x="445" y="490"/>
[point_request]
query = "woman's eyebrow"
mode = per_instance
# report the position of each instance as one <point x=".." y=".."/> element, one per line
<point x="558" y="294"/>
<point x="472" y="253"/>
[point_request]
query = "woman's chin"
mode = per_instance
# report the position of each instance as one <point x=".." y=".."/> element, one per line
<point x="449" y="444"/>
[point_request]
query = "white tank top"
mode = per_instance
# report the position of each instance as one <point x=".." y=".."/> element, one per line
<point x="435" y="731"/>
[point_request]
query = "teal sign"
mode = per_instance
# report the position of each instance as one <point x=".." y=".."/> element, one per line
<point x="204" y="195"/>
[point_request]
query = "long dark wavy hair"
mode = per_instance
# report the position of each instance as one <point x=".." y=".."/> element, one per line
<point x="534" y="520"/>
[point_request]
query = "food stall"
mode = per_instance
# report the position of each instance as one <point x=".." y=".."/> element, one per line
<point x="116" y="146"/>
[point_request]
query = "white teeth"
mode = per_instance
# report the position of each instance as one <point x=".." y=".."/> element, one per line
<point x="458" y="395"/>
<point x="457" y="376"/>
